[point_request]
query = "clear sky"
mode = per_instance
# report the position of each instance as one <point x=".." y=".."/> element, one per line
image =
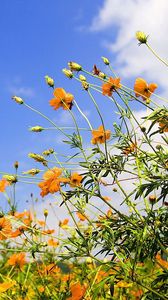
<point x="39" y="37"/>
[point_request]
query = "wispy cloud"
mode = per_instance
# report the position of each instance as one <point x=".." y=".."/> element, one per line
<point x="126" y="17"/>
<point x="21" y="91"/>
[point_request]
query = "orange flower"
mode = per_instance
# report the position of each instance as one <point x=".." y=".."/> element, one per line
<point x="106" y="198"/>
<point x="81" y="217"/>
<point x="6" y="285"/>
<point x="3" y="184"/>
<point x="137" y="294"/>
<point x="50" y="269"/>
<point x="25" y="217"/>
<point x="63" y="224"/>
<point x="17" y="232"/>
<point x="41" y="222"/>
<point x="100" y="135"/>
<point x="77" y="291"/>
<point x="48" y="231"/>
<point x="53" y="243"/>
<point x="142" y="89"/>
<point x="17" y="260"/>
<point x="61" y="99"/>
<point x="163" y="124"/>
<point x="5" y="228"/>
<point x="75" y="180"/>
<point x="41" y="289"/>
<point x="51" y="183"/>
<point x="161" y="261"/>
<point x="130" y="149"/>
<point x="112" y="85"/>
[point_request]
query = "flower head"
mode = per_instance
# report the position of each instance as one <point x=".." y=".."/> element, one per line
<point x="100" y="135"/>
<point x="141" y="37"/>
<point x="6" y="285"/>
<point x="74" y="66"/>
<point x="5" y="228"/>
<point x="3" y="184"/>
<point x="142" y="89"/>
<point x="61" y="99"/>
<point x="17" y="260"/>
<point x="51" y="182"/>
<point x="75" y="180"/>
<point x="49" y="81"/>
<point x="81" y="216"/>
<point x="77" y="291"/>
<point x="112" y="85"/>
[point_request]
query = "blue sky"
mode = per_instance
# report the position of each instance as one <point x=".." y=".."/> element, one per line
<point x="39" y="37"/>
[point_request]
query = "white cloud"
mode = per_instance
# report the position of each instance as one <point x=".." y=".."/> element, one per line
<point x="21" y="91"/>
<point x="127" y="17"/>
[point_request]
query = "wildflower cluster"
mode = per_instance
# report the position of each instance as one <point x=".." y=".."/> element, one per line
<point x="110" y="242"/>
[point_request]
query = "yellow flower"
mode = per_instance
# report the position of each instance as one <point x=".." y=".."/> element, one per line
<point x="124" y="284"/>
<point x="141" y="37"/>
<point x="6" y="285"/>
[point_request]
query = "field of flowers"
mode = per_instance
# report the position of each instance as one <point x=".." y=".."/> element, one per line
<point x="112" y="182"/>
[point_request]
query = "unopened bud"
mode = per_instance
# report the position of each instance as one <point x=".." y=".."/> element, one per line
<point x="49" y="81"/>
<point x="38" y="157"/>
<point x="85" y="85"/>
<point x="16" y="165"/>
<point x="48" y="152"/>
<point x="152" y="199"/>
<point x="141" y="37"/>
<point x="102" y="75"/>
<point x="67" y="73"/>
<point x="74" y="66"/>
<point x="148" y="100"/>
<point x="10" y="178"/>
<point x="158" y="147"/>
<point x="31" y="172"/>
<point x="18" y="100"/>
<point x="89" y="260"/>
<point x="105" y="60"/>
<point x="36" y="128"/>
<point x="82" y="77"/>
<point x="45" y="213"/>
<point x="143" y="129"/>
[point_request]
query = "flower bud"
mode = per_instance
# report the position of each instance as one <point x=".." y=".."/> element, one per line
<point x="102" y="75"/>
<point x="49" y="81"/>
<point x="10" y="178"/>
<point x="36" y="129"/>
<point x="38" y="158"/>
<point x="141" y="37"/>
<point x="48" y="152"/>
<point x="152" y="199"/>
<point x="45" y="213"/>
<point x="82" y="78"/>
<point x="148" y="100"/>
<point x="67" y="73"/>
<point x="16" y="165"/>
<point x="85" y="85"/>
<point x="18" y="100"/>
<point x="89" y="260"/>
<point x="143" y="129"/>
<point x="105" y="60"/>
<point x="31" y="172"/>
<point x="74" y="66"/>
